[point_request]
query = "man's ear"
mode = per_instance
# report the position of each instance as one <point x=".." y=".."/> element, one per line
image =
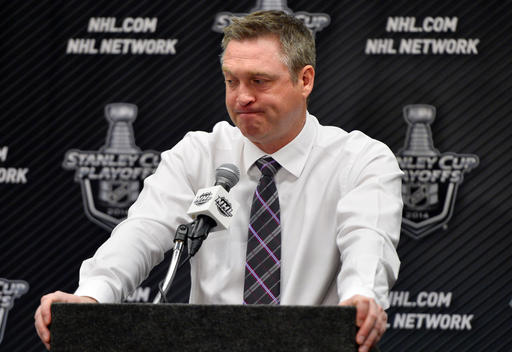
<point x="306" y="78"/>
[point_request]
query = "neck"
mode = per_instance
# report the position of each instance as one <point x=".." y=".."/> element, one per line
<point x="273" y="146"/>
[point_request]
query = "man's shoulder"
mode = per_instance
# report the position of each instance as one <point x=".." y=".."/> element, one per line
<point x="219" y="130"/>
<point x="333" y="136"/>
<point x="223" y="139"/>
<point x="335" y="143"/>
<point x="223" y="135"/>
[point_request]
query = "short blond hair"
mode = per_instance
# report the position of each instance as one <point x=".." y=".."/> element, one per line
<point x="297" y="42"/>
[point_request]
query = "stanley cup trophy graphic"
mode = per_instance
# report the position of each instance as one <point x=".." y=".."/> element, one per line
<point x="120" y="140"/>
<point x="419" y="142"/>
<point x="431" y="178"/>
<point x="120" y="136"/>
<point x="419" y="136"/>
<point x="315" y="22"/>
<point x="264" y="5"/>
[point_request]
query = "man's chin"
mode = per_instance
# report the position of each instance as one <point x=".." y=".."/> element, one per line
<point x="253" y="134"/>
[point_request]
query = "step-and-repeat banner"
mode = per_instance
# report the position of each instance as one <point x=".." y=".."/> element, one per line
<point x="93" y="92"/>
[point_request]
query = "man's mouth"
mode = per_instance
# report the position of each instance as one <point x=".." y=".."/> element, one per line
<point x="248" y="112"/>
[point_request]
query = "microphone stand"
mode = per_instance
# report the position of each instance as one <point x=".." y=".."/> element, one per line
<point x="179" y="243"/>
<point x="195" y="232"/>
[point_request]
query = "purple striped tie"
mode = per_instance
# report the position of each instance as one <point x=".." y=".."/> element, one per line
<point x="263" y="261"/>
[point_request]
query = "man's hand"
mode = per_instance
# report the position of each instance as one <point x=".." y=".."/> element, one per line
<point x="43" y="315"/>
<point x="371" y="320"/>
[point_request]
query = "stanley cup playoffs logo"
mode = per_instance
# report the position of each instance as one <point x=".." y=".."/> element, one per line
<point x="111" y="178"/>
<point x="314" y="21"/>
<point x="431" y="178"/>
<point x="9" y="291"/>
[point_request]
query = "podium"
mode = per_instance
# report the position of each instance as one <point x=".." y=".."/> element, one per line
<point x="198" y="328"/>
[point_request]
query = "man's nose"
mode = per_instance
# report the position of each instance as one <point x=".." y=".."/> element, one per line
<point x="245" y="95"/>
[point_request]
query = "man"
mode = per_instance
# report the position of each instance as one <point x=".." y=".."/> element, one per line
<point x="339" y="194"/>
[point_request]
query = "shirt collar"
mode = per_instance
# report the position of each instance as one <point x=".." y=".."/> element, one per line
<point x="292" y="157"/>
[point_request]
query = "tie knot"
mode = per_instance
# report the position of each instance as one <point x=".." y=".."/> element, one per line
<point x="268" y="166"/>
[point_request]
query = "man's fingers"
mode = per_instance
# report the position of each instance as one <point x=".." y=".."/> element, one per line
<point x="383" y="323"/>
<point x="41" y="328"/>
<point x="46" y="303"/>
<point x="376" y="332"/>
<point x="371" y="340"/>
<point x="366" y="321"/>
<point x="362" y="311"/>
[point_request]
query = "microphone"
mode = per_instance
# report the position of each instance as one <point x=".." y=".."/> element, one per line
<point x="212" y="208"/>
<point x="227" y="175"/>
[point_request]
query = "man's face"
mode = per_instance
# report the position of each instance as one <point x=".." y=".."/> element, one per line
<point x="261" y="98"/>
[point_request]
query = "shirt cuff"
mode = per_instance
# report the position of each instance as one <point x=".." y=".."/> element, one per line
<point x="98" y="290"/>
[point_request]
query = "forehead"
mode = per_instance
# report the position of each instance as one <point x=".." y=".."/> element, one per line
<point x="253" y="54"/>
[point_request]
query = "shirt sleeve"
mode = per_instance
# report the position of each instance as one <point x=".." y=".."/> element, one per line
<point x="369" y="216"/>
<point x="139" y="243"/>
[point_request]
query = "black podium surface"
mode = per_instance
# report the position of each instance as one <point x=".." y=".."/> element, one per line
<point x="208" y="328"/>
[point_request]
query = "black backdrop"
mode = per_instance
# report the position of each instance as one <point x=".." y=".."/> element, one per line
<point x="454" y="292"/>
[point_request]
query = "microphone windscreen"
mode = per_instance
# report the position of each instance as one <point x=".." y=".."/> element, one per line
<point x="227" y="175"/>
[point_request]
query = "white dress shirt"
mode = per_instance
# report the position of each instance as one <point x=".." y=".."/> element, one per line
<point x="341" y="208"/>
